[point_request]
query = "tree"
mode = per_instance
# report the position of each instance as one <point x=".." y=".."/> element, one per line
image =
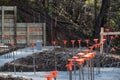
<point x="101" y="18"/>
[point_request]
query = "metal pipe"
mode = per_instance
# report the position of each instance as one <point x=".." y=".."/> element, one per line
<point x="82" y="72"/>
<point x="34" y="60"/>
<point x="74" y="70"/>
<point x="70" y="75"/>
<point x="14" y="62"/>
<point x="88" y="70"/>
<point x="55" y="59"/>
<point x="91" y="78"/>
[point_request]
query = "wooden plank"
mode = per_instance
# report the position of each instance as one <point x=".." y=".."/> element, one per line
<point x="0" y="8"/>
<point x="101" y="39"/>
<point x="111" y="33"/>
<point x="9" y="7"/>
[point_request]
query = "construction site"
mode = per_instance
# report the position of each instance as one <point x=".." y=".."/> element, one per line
<point x="51" y="45"/>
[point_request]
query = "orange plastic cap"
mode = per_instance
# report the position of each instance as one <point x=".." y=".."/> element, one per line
<point x="80" y="54"/>
<point x="87" y="57"/>
<point x="94" y="53"/>
<point x="75" y="57"/>
<point x="95" y="45"/>
<point x="30" y="30"/>
<point x="49" y="77"/>
<point x="95" y="40"/>
<point x="79" y="41"/>
<point x="104" y="40"/>
<point x="73" y="42"/>
<point x="86" y="51"/>
<point x="91" y="55"/>
<point x="33" y="44"/>
<point x="69" y="67"/>
<point x="54" y="43"/>
<point x="91" y="47"/>
<point x="54" y="73"/>
<point x="80" y="61"/>
<point x="87" y="41"/>
<point x="65" y="42"/>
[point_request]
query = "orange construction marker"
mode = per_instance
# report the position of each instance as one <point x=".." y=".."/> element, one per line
<point x="54" y="43"/>
<point x="81" y="54"/>
<point x="32" y="44"/>
<point x="54" y="73"/>
<point x="69" y="67"/>
<point x="65" y="42"/>
<point x="79" y="42"/>
<point x="86" y="51"/>
<point x="95" y="40"/>
<point x="49" y="77"/>
<point x="73" y="42"/>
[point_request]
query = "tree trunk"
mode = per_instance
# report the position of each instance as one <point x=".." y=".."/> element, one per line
<point x="100" y="20"/>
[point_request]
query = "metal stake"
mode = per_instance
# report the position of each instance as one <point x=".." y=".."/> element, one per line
<point x="14" y="62"/>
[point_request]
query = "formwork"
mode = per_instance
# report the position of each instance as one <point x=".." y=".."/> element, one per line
<point x="19" y="33"/>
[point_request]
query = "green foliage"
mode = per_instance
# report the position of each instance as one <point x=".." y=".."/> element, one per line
<point x="50" y="8"/>
<point x="89" y="2"/>
<point x="4" y="2"/>
<point x="116" y="45"/>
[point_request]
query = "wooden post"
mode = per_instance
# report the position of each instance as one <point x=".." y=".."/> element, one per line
<point x="2" y="23"/>
<point x="44" y="34"/>
<point x="101" y="39"/>
<point x="28" y="39"/>
<point x="15" y="25"/>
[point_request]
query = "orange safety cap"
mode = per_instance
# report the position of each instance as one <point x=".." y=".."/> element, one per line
<point x="104" y="40"/>
<point x="87" y="41"/>
<point x="91" y="55"/>
<point x="54" y="73"/>
<point x="69" y="67"/>
<point x="80" y="61"/>
<point x="80" y="54"/>
<point x="95" y="40"/>
<point x="87" y="57"/>
<point x="75" y="57"/>
<point x="54" y="43"/>
<point x="49" y="76"/>
<point x="73" y="42"/>
<point x="32" y="44"/>
<point x="65" y="42"/>
<point x="79" y="41"/>
<point x="86" y="51"/>
<point x="91" y="47"/>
